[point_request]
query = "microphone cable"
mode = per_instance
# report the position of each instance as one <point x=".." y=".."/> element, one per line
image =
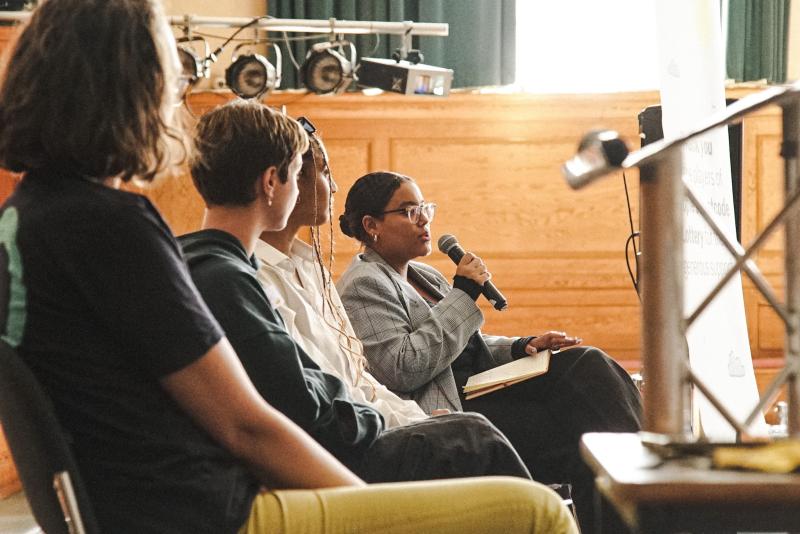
<point x="632" y="238"/>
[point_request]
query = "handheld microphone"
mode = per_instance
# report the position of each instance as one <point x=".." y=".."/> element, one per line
<point x="448" y="244"/>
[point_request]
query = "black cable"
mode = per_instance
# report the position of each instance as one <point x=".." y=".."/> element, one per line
<point x="213" y="55"/>
<point x="631" y="240"/>
<point x="630" y="212"/>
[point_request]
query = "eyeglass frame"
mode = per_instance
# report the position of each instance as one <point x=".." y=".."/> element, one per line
<point x="409" y="209"/>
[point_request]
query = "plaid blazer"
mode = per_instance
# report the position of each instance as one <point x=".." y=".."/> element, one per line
<point x="408" y="343"/>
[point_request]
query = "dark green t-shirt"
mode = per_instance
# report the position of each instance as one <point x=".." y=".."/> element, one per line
<point x="96" y="297"/>
<point x="281" y="371"/>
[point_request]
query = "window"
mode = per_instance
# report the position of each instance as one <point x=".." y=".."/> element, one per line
<point x="586" y="46"/>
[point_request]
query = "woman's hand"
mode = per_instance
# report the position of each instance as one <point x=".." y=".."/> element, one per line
<point x="472" y="267"/>
<point x="551" y="340"/>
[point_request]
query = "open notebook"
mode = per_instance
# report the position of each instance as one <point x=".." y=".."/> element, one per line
<point x="507" y="374"/>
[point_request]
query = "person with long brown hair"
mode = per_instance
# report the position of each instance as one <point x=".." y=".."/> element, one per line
<point x="168" y="432"/>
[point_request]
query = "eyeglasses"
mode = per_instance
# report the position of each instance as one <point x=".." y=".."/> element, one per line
<point x="307" y="125"/>
<point x="415" y="212"/>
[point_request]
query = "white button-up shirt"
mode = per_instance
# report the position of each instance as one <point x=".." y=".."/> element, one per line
<point x="294" y="285"/>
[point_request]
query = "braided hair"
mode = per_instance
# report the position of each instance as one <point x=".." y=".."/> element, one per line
<point x="331" y="314"/>
<point x="369" y="196"/>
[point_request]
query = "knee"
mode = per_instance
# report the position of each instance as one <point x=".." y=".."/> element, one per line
<point x="597" y="360"/>
<point x="477" y="424"/>
<point x="537" y="505"/>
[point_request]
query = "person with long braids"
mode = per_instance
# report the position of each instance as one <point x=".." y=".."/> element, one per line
<point x="307" y="299"/>
<point x="422" y="339"/>
<point x="168" y="432"/>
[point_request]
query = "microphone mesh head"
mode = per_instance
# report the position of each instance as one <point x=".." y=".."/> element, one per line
<point x="446" y="242"/>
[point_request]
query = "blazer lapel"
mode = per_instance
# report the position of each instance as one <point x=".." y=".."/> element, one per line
<point x="414" y="305"/>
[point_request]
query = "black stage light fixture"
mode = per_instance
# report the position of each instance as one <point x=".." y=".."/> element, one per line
<point x="252" y="75"/>
<point x="326" y="69"/>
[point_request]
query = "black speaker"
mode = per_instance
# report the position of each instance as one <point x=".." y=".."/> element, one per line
<point x="650" y="130"/>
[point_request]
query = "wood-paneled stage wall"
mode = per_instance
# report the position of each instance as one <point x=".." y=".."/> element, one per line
<point x="492" y="164"/>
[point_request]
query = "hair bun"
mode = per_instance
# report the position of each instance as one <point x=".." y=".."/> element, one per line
<point x="344" y="225"/>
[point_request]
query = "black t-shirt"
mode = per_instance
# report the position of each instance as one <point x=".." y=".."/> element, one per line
<point x="281" y="371"/>
<point x="96" y="297"/>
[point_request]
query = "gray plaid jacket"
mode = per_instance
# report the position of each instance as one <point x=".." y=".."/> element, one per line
<point x="410" y="345"/>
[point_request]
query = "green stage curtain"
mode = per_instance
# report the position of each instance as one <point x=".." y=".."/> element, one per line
<point x="479" y="49"/>
<point x="757" y="40"/>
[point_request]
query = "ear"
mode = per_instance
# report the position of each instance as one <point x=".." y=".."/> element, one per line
<point x="269" y="181"/>
<point x="370" y="224"/>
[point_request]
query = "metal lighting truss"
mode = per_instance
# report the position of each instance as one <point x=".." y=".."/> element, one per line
<point x="333" y="26"/>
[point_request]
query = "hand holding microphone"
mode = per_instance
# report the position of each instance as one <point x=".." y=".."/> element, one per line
<point x="474" y="269"/>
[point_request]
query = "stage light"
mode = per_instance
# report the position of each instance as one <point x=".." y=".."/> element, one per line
<point x="252" y="75"/>
<point x="326" y="69"/>
<point x="405" y="77"/>
<point x="192" y="64"/>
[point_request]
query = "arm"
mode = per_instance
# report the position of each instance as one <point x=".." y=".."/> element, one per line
<point x="406" y="342"/>
<point x="217" y="394"/>
<point x="278" y="368"/>
<point x="500" y="347"/>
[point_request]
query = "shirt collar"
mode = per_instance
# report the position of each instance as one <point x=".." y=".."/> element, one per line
<point x="275" y="258"/>
<point x="302" y="250"/>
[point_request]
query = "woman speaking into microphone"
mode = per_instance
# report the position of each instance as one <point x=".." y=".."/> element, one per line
<point x="422" y="339"/>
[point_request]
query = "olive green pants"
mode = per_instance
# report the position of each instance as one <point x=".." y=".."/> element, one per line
<point x="458" y="506"/>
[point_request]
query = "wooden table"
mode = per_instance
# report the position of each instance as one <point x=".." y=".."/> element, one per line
<point x="679" y="495"/>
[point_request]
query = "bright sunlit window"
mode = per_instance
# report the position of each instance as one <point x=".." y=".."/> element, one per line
<point x="586" y="46"/>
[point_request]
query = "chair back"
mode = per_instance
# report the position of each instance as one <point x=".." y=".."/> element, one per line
<point x="43" y="457"/>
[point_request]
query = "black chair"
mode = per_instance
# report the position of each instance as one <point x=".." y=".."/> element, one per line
<point x="41" y="452"/>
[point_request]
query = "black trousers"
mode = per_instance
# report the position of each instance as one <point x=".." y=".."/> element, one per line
<point x="446" y="446"/>
<point x="544" y="418"/>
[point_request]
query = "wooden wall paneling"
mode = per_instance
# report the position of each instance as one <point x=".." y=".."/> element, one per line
<point x="348" y="159"/>
<point x="506" y="200"/>
<point x="492" y="162"/>
<point x="762" y="198"/>
<point x="7" y="36"/>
